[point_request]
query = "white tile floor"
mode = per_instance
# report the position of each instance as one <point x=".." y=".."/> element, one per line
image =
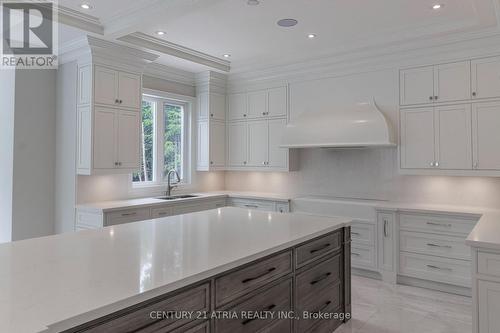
<point x="379" y="307"/>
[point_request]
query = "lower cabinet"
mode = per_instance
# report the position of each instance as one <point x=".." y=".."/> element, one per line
<point x="486" y="290"/>
<point x="265" y="205"/>
<point x="274" y="294"/>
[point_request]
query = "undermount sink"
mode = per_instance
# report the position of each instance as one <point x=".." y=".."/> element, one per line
<point x="176" y="197"/>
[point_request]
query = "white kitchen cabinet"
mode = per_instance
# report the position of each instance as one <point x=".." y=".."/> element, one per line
<point x="486" y="136"/>
<point x="453" y="137"/>
<point x="417" y="138"/>
<point x="211" y="105"/>
<point x="257" y="104"/>
<point x="237" y="106"/>
<point x="488" y="306"/>
<point x="256" y="204"/>
<point x="386" y="244"/>
<point x="211" y="145"/>
<point x="127" y="146"/>
<point x="117" y="88"/>
<point x="129" y="90"/>
<point x="105" y="127"/>
<point x="237" y="144"/>
<point x="417" y="85"/>
<point x="258" y="148"/>
<point x="277" y="102"/>
<point x="486" y="78"/>
<point x="278" y="157"/>
<point x="452" y="82"/>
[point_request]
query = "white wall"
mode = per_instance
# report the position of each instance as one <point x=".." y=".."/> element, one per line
<point x="7" y="102"/>
<point x="65" y="182"/>
<point x="370" y="174"/>
<point x="34" y="154"/>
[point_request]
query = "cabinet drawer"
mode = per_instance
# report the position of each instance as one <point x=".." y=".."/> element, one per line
<point x="451" y="271"/>
<point x="444" y="246"/>
<point x="488" y="263"/>
<point x="138" y="317"/>
<point x="276" y="298"/>
<point x="326" y="300"/>
<point x="253" y="204"/>
<point x="363" y="233"/>
<point x="127" y="215"/>
<point x="242" y="281"/>
<point x="363" y="256"/>
<point x="323" y="275"/>
<point x="161" y="212"/>
<point x="89" y="220"/>
<point x="435" y="223"/>
<point x="317" y="248"/>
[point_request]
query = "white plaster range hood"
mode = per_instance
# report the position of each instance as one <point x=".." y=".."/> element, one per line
<point x="360" y="125"/>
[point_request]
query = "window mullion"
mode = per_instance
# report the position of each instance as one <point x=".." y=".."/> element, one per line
<point x="159" y="142"/>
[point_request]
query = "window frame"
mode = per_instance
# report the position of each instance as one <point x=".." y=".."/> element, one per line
<point x="158" y="185"/>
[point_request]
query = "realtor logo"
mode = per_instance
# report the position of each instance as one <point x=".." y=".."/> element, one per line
<point x="29" y="34"/>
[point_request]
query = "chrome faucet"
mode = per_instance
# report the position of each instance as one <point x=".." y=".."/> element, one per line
<point x="169" y="184"/>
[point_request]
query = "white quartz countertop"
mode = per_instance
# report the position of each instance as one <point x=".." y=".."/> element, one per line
<point x="68" y="279"/>
<point x="107" y="206"/>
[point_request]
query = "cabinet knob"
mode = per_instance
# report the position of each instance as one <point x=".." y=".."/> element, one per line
<point x="432" y="164"/>
<point x="476" y="165"/>
<point x="436" y="98"/>
<point x="436" y="164"/>
<point x="474" y="94"/>
<point x="431" y="98"/>
<point x="263" y="163"/>
<point x="211" y="115"/>
<point x="117" y="101"/>
<point x="263" y="113"/>
<point x="116" y="163"/>
<point x="211" y="162"/>
<point x="244" y="162"/>
<point x="121" y="101"/>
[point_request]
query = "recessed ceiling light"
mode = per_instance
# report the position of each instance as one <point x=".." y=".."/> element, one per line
<point x="287" y="23"/>
<point x="253" y="2"/>
<point x="226" y="55"/>
<point x="160" y="33"/>
<point x="86" y="6"/>
<point x="437" y="6"/>
<point x="311" y="36"/>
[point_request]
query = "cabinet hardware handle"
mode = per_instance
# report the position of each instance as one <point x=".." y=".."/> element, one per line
<point x="321" y="278"/>
<point x="432" y="164"/>
<point x="323" y="307"/>
<point x="476" y="165"/>
<point x="263" y="113"/>
<point x="116" y="163"/>
<point x="267" y="308"/>
<point x="327" y="245"/>
<point x="436" y="245"/>
<point x="244" y="115"/>
<point x="270" y="270"/>
<point x="211" y="162"/>
<point x="355" y="254"/>
<point x="117" y="101"/>
<point x="355" y="233"/>
<point x="386" y="232"/>
<point x="162" y="213"/>
<point x="211" y="115"/>
<point x="431" y="98"/>
<point x="121" y="101"/>
<point x="474" y="94"/>
<point x="120" y="163"/>
<point x="447" y="225"/>
<point x="440" y="268"/>
<point x="436" y="98"/>
<point x="263" y="163"/>
<point x="244" y="162"/>
<point x="436" y="164"/>
<point x="251" y="206"/>
<point x="129" y="214"/>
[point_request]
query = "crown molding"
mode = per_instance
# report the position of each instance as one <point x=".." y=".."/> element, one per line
<point x="168" y="73"/>
<point x="79" y="20"/>
<point x="142" y="40"/>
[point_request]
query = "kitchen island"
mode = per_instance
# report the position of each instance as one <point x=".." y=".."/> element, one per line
<point x="222" y="270"/>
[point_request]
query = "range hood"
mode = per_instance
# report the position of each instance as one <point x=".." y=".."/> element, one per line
<point x="359" y="125"/>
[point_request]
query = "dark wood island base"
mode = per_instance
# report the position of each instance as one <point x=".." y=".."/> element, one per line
<point x="303" y="289"/>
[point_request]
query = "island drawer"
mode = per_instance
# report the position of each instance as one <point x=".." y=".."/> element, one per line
<point x="322" y="275"/>
<point x="272" y="300"/>
<point x="326" y="300"/>
<point x="252" y="276"/>
<point x="436" y="224"/>
<point x="138" y="318"/>
<point x="127" y="216"/>
<point x="316" y="248"/>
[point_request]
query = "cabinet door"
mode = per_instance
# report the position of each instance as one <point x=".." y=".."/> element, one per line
<point x="105" y="86"/>
<point x="489" y="306"/>
<point x="105" y="126"/>
<point x="84" y="139"/>
<point x="217" y="144"/>
<point x="128" y="145"/>
<point x="486" y="136"/>
<point x="278" y="157"/>
<point x="237" y="144"/>
<point x="386" y="241"/>
<point x="416" y="85"/>
<point x="277" y="102"/>
<point x="454" y="137"/>
<point x="486" y="77"/>
<point x="217" y="106"/>
<point x="452" y="82"/>
<point x="129" y="90"/>
<point x="257" y="104"/>
<point x="257" y="143"/>
<point x="203" y="152"/>
<point x="417" y="138"/>
<point x="237" y="106"/>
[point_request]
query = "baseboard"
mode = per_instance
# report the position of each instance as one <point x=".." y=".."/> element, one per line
<point x="444" y="287"/>
<point x="366" y="273"/>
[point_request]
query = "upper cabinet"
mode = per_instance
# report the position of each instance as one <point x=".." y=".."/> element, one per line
<point x="486" y="135"/>
<point x="237" y="106"/>
<point x="116" y="88"/>
<point x="486" y="78"/>
<point x="258" y="104"/>
<point x="435" y="84"/>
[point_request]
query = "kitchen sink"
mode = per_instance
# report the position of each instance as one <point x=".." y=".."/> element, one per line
<point x="176" y="197"/>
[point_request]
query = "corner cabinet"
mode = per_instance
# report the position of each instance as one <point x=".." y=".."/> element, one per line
<point x="256" y="120"/>
<point x="448" y="114"/>
<point x="108" y="120"/>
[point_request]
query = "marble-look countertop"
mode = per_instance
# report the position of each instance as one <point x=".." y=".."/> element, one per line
<point x="108" y="206"/>
<point x="64" y="280"/>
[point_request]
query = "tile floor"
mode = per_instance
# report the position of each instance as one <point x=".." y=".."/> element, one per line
<point x="379" y="307"/>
